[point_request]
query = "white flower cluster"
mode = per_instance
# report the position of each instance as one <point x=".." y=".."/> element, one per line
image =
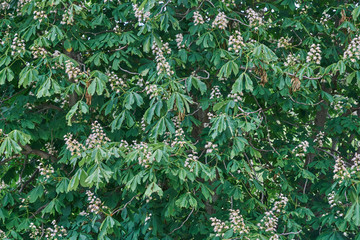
<point x="67" y="18"/>
<point x="116" y="83"/>
<point x="198" y="18"/>
<point x="355" y="168"/>
<point x="72" y="71"/>
<point x="140" y="14"/>
<point x="236" y="42"/>
<point x="237" y="222"/>
<point x="117" y="29"/>
<point x="254" y="18"/>
<point x="270" y="221"/>
<point x="3" y="185"/>
<point x="179" y="140"/>
<point x="219" y="226"/>
<point x="320" y="139"/>
<point x="301" y="149"/>
<point x="275" y="237"/>
<point x="236" y="97"/>
<point x="73" y="145"/>
<point x="152" y="90"/>
<point x="314" y="55"/>
<point x="220" y="21"/>
<point x="304" y="9"/>
<point x="340" y="171"/>
<point x="324" y="18"/>
<point x="210" y="116"/>
<point x="331" y="200"/>
<point x="24" y="201"/>
<point x="192" y="157"/>
<point x="34" y="231"/>
<point x="97" y="136"/>
<point x="140" y="82"/>
<point x="215" y="93"/>
<point x="352" y="52"/>
<point x="179" y="41"/>
<point x="45" y="171"/>
<point x="41" y="15"/>
<point x="17" y="45"/>
<point x="21" y="4"/>
<point x="51" y="233"/>
<point x="162" y="66"/>
<point x="5" y="4"/>
<point x="143" y="125"/>
<point x="144" y="153"/>
<point x="280" y="205"/>
<point x="57" y="53"/>
<point x="292" y="60"/>
<point x="210" y="147"/>
<point x="228" y="3"/>
<point x="338" y="213"/>
<point x="38" y="52"/>
<point x="95" y="204"/>
<point x="284" y="42"/>
<point x="50" y="149"/>
<point x="56" y="232"/>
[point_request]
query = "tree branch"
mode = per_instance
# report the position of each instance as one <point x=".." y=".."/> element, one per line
<point x="182" y="224"/>
<point x="28" y="150"/>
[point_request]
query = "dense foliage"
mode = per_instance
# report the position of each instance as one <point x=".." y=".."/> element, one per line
<point x="179" y="119"/>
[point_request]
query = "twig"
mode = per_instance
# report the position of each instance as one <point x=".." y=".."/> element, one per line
<point x="39" y="210"/>
<point x="305" y="77"/>
<point x="326" y="152"/>
<point x="182" y="224"/>
<point x="234" y="19"/>
<point x="298" y="38"/>
<point x="8" y="159"/>
<point x="162" y="8"/>
<point x="28" y="150"/>
<point x="305" y="103"/>
<point x="29" y="180"/>
<point x="106" y="31"/>
<point x="289" y="233"/>
<point x="120" y="209"/>
<point x="304" y="190"/>
<point x="128" y="71"/>
<point x="207" y="73"/>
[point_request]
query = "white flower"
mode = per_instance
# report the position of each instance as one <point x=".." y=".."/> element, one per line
<point x="198" y="19"/>
<point x="314" y="55"/>
<point x="236" y="42"/>
<point x="220" y="21"/>
<point x="352" y="52"/>
<point x="254" y="18"/>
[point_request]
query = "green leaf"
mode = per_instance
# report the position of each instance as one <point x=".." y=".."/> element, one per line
<point x="72" y="112"/>
<point x="6" y="74"/>
<point x="36" y="193"/>
<point x="153" y="187"/>
<point x="355" y="13"/>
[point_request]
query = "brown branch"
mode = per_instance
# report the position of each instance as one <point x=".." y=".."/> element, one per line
<point x="28" y="150"/>
<point x="29" y="180"/>
<point x="8" y="159"/>
<point x="120" y="209"/>
<point x="48" y="106"/>
<point x="39" y="210"/>
<point x="182" y="224"/>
